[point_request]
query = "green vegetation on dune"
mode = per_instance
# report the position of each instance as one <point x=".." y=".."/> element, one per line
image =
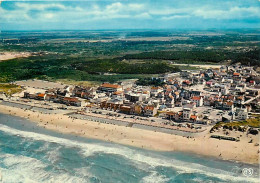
<point x="57" y="67"/>
<point x="201" y="56"/>
<point x="9" y="89"/>
<point x="251" y="57"/>
<point x="117" y="66"/>
<point x="252" y="122"/>
<point x="188" y="56"/>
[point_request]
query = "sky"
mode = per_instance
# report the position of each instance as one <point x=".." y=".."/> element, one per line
<point x="129" y="14"/>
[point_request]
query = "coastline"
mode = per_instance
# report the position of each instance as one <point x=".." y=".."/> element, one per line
<point x="204" y="145"/>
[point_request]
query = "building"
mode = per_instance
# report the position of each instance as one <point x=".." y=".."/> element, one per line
<point x="107" y="87"/>
<point x="150" y="111"/>
<point x="241" y="114"/>
<point x="198" y="100"/>
<point x="71" y="101"/>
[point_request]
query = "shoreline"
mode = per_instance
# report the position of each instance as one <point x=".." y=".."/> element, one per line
<point x="225" y="150"/>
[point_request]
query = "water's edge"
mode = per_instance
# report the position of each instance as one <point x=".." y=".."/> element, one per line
<point x="53" y="153"/>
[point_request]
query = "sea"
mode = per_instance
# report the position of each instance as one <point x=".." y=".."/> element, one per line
<point x="29" y="153"/>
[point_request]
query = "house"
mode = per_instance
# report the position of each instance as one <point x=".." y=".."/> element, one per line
<point x="138" y="109"/>
<point x="195" y="93"/>
<point x="198" y="100"/>
<point x="40" y="96"/>
<point x="150" y="110"/>
<point x="187" y="110"/>
<point x="186" y="113"/>
<point x="241" y="114"/>
<point x="193" y="118"/>
<point x="175" y="116"/>
<point x="235" y="74"/>
<point x="133" y="97"/>
<point x="156" y="90"/>
<point x="228" y="106"/>
<point x="125" y="109"/>
<point x="107" y="87"/>
<point x="209" y="83"/>
<point x="170" y="103"/>
<point x="117" y="94"/>
<point x="30" y="96"/>
<point x="51" y="97"/>
<point x="71" y="101"/>
<point x="186" y="83"/>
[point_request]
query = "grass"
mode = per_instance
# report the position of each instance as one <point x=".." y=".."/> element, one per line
<point x="10" y="89"/>
<point x="79" y="83"/>
<point x="253" y="122"/>
<point x="188" y="67"/>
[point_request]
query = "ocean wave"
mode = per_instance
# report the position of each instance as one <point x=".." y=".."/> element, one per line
<point x="137" y="157"/>
<point x="154" y="177"/>
<point x="30" y="170"/>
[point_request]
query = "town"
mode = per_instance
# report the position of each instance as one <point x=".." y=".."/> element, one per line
<point x="188" y="101"/>
<point x="129" y="91"/>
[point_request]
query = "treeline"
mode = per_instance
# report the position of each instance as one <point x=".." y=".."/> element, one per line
<point x="198" y="55"/>
<point x="251" y="57"/>
<point x="55" y="67"/>
<point x="119" y="67"/>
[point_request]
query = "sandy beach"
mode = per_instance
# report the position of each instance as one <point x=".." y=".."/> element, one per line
<point x="241" y="151"/>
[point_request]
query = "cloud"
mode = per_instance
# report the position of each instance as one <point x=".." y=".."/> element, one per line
<point x="130" y="13"/>
<point x="234" y="12"/>
<point x="160" y="11"/>
<point x="28" y="6"/>
<point x="175" y="17"/>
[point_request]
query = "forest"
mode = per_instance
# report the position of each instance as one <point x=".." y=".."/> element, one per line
<point x="110" y="56"/>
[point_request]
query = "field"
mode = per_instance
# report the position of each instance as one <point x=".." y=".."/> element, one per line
<point x="110" y="56"/>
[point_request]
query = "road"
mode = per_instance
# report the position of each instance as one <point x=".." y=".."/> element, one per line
<point x="200" y="66"/>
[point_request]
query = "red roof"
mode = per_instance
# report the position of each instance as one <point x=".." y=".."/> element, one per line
<point x="52" y="96"/>
<point x="187" y="82"/>
<point x="195" y="98"/>
<point x="193" y="117"/>
<point x="71" y="99"/>
<point x="125" y="108"/>
<point x="148" y="107"/>
<point x="236" y="74"/>
<point x="156" y="88"/>
<point x="117" y="93"/>
<point x="108" y="85"/>
<point x="229" y="103"/>
<point x="171" y="113"/>
<point x="41" y="95"/>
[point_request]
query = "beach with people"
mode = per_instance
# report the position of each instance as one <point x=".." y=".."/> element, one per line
<point x="241" y="151"/>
